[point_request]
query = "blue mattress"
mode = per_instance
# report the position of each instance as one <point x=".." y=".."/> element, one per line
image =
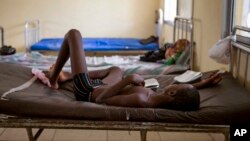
<point x="96" y="44"/>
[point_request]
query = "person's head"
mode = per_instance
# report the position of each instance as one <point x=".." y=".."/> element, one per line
<point x="183" y="97"/>
<point x="177" y="47"/>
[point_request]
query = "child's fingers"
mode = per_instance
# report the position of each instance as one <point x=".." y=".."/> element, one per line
<point x="214" y="73"/>
<point x="216" y="81"/>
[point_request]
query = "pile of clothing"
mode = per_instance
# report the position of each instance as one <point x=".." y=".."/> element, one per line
<point x="7" y="50"/>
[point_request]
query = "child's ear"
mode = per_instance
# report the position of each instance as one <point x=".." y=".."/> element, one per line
<point x="172" y="93"/>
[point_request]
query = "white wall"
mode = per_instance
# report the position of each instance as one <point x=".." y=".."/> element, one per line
<point x="94" y="18"/>
<point x="207" y="31"/>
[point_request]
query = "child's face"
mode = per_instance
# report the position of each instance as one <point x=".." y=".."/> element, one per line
<point x="169" y="52"/>
<point x="172" y="90"/>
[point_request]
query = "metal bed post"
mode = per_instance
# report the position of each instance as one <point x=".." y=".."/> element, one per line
<point x="2" y="36"/>
<point x="31" y="32"/>
<point x="30" y="134"/>
<point x="238" y="63"/>
<point x="246" y="70"/>
<point x="192" y="45"/>
<point x="241" y="48"/>
<point x="226" y="135"/>
<point x="180" y="22"/>
<point x="143" y="134"/>
<point x="36" y="136"/>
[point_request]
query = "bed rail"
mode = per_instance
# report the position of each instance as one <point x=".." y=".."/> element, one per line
<point x="143" y="127"/>
<point x="183" y="29"/>
<point x="2" y="36"/>
<point x="32" y="34"/>
<point x="237" y="49"/>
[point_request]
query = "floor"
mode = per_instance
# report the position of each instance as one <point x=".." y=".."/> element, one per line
<point x="13" y="134"/>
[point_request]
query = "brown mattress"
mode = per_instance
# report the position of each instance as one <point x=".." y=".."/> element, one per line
<point x="226" y="103"/>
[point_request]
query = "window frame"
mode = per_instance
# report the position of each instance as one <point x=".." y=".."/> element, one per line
<point x="170" y="20"/>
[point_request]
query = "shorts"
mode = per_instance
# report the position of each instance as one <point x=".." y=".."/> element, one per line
<point x="83" y="86"/>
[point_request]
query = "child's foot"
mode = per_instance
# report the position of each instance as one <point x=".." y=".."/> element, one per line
<point x="63" y="76"/>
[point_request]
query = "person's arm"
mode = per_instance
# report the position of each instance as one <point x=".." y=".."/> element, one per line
<point x="210" y="81"/>
<point x="100" y="74"/>
<point x="116" y="88"/>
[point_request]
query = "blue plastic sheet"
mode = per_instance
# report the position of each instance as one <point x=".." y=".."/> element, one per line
<point x="97" y="44"/>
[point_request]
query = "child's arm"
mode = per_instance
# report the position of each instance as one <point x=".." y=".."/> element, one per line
<point x="210" y="81"/>
<point x="116" y="88"/>
<point x="100" y="74"/>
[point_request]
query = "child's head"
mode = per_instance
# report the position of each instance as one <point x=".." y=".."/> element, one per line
<point x="179" y="46"/>
<point x="183" y="97"/>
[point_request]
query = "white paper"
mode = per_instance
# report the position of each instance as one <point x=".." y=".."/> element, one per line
<point x="188" y="76"/>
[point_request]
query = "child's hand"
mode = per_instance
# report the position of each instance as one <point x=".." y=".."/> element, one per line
<point x="136" y="80"/>
<point x="213" y="79"/>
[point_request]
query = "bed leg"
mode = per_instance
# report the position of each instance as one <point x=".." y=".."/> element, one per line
<point x="226" y="135"/>
<point x="30" y="134"/>
<point x="143" y="135"/>
<point x="38" y="133"/>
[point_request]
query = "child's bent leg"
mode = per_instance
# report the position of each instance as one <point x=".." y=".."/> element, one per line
<point x="71" y="47"/>
<point x="77" y="54"/>
<point x="115" y="75"/>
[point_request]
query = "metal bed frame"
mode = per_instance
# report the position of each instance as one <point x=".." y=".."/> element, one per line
<point x="2" y="36"/>
<point x="237" y="49"/>
<point x="183" y="29"/>
<point x="31" y="33"/>
<point x="30" y="123"/>
<point x="143" y="127"/>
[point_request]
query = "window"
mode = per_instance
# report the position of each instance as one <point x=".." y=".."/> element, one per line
<point x="245" y="13"/>
<point x="242" y="15"/>
<point x="248" y="19"/>
<point x="170" y="10"/>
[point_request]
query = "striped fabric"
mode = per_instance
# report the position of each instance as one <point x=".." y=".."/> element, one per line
<point x="83" y="86"/>
<point x="96" y="82"/>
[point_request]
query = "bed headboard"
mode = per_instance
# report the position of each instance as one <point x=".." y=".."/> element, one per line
<point x="240" y="51"/>
<point x="2" y="36"/>
<point x="183" y="29"/>
<point x="31" y="33"/>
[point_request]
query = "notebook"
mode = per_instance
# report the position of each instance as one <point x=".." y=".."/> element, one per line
<point x="151" y="83"/>
<point x="188" y="76"/>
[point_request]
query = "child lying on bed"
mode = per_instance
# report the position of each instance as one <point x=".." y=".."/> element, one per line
<point x="109" y="87"/>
